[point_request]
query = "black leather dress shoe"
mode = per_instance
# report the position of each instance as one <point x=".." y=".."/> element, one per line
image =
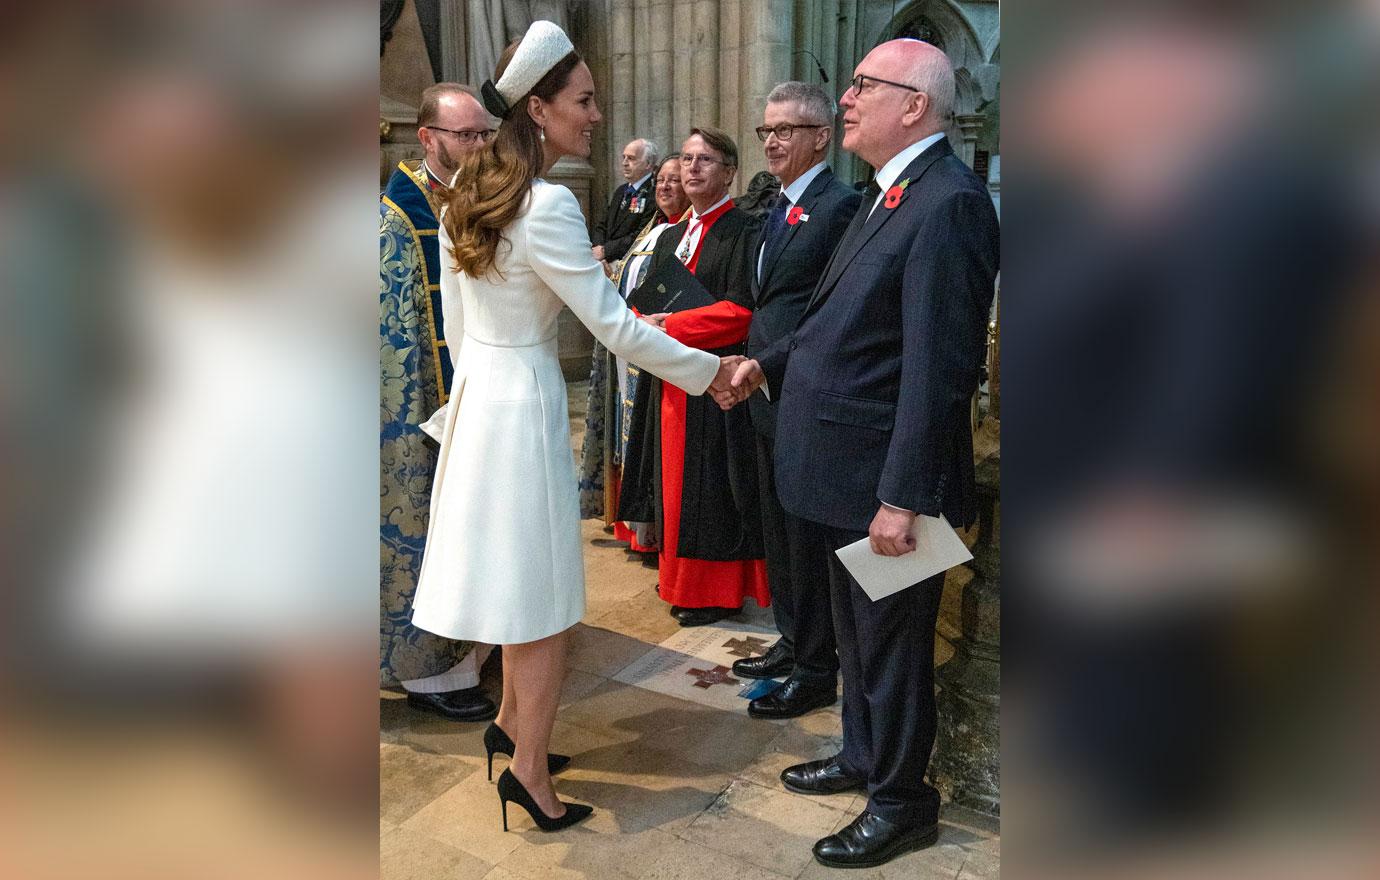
<point x="773" y="664"/>
<point x="870" y="840"/>
<point x="467" y="705"/>
<point x="704" y="616"/>
<point x="793" y="699"/>
<point x="819" y="777"/>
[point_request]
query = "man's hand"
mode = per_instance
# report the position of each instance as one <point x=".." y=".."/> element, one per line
<point x="720" y="389"/>
<point x="746" y="379"/>
<point x="598" y="251"/>
<point x="658" y="320"/>
<point x="890" y="532"/>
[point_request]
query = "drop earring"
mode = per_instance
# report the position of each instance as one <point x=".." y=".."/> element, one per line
<point x="541" y="134"/>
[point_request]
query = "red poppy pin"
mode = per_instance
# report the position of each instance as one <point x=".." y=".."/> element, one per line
<point x="893" y="195"/>
<point x="796" y="215"/>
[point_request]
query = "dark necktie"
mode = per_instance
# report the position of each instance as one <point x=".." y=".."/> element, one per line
<point x="776" y="222"/>
<point x="869" y="199"/>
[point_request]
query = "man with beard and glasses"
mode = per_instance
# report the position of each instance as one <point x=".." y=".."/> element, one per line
<point x="439" y="675"/>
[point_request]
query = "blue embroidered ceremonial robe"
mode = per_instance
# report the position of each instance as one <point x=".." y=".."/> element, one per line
<point x="415" y="373"/>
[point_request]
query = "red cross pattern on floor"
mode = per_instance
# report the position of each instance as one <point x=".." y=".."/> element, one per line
<point x="749" y="646"/>
<point x="710" y="677"/>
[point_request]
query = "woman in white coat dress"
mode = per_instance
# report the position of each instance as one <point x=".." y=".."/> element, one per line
<point x="503" y="561"/>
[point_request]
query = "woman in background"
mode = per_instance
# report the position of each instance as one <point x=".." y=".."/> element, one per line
<point x="610" y="403"/>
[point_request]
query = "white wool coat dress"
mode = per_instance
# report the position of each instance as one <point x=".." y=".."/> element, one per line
<point x="503" y="561"/>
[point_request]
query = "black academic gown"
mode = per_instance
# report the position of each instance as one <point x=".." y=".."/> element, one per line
<point x="720" y="518"/>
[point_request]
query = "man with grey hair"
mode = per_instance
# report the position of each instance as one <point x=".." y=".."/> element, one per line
<point x="805" y="224"/>
<point x="631" y="204"/>
<point x="880" y="374"/>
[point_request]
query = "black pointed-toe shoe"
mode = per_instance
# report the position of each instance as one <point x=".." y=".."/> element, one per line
<point x="704" y="616"/>
<point x="496" y="741"/>
<point x="870" y="840"/>
<point x="510" y="789"/>
<point x="777" y="662"/>
<point x="793" y="699"/>
<point x="820" y="777"/>
<point x="465" y="705"/>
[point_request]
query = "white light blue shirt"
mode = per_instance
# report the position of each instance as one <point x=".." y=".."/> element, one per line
<point x="886" y="176"/>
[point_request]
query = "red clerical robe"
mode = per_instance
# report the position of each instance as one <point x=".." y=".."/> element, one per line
<point x="699" y="583"/>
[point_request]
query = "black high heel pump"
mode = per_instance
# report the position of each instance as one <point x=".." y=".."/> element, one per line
<point x="496" y="741"/>
<point x="509" y="789"/>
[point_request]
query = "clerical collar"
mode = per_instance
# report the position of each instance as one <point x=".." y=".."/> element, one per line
<point x="434" y="179"/>
<point x="712" y="212"/>
<point x="641" y="181"/>
<point x="888" y="173"/>
<point x="802" y="183"/>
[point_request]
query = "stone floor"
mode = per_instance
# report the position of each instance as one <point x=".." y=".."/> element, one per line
<point x="681" y="790"/>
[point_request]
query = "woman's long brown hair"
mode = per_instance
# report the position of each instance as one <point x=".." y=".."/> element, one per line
<point x="491" y="187"/>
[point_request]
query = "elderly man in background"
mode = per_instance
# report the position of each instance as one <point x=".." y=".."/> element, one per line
<point x="803" y="227"/>
<point x="438" y="674"/>
<point x="631" y="205"/>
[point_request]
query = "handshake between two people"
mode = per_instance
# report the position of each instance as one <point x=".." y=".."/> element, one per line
<point x="737" y="378"/>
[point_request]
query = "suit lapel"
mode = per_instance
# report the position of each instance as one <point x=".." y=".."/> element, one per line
<point x="858" y="236"/>
<point x="806" y="205"/>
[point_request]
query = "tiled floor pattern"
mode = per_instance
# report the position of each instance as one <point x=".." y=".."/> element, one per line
<point x="682" y="789"/>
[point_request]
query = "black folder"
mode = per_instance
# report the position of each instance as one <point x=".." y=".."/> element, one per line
<point x="669" y="288"/>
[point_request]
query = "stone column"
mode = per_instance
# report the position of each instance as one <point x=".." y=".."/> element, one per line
<point x="660" y="87"/>
<point x="623" y="83"/>
<point x="704" y="82"/>
<point x="454" y="42"/>
<point x="969" y="124"/>
<point x="967" y="758"/>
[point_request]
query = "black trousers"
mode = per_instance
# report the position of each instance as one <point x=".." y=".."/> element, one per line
<point x="886" y="652"/>
<point x="798" y="577"/>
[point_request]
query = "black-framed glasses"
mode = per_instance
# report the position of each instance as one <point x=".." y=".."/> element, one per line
<point x="692" y="161"/>
<point x="862" y="79"/>
<point x="783" y="131"/>
<point x="466" y="136"/>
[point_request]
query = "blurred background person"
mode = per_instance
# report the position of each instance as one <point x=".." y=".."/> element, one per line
<point x="691" y="467"/>
<point x="631" y="204"/>
<point x="439" y="675"/>
<point x="1184" y="549"/>
<point x="609" y="416"/>
<point x="212" y="581"/>
<point x="802" y="230"/>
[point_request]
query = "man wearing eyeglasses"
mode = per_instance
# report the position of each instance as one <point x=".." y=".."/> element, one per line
<point x="703" y="496"/>
<point x="801" y="231"/>
<point x="439" y="675"/>
<point x="874" y="389"/>
<point x="450" y="123"/>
